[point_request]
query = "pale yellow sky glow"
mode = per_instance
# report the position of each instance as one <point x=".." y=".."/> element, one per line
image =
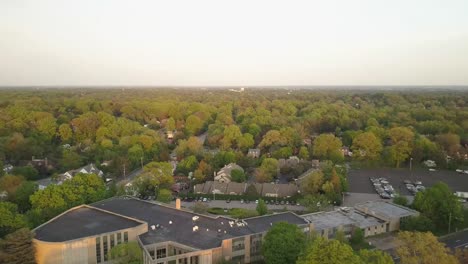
<point x="197" y="43"/>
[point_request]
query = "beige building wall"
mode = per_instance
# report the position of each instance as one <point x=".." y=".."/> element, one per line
<point x="78" y="251"/>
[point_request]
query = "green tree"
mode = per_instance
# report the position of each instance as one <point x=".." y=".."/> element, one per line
<point x="402" y="144"/>
<point x="281" y="234"/>
<point x="303" y="153"/>
<point x="193" y="124"/>
<point x="231" y="136"/>
<point x="187" y="165"/>
<point x="126" y="253"/>
<point x="322" y="250"/>
<point x="262" y="208"/>
<point x="450" y="142"/>
<point x="327" y="146"/>
<point x="366" y="146"/>
<point x="314" y="203"/>
<point x="401" y="200"/>
<point x="246" y="142"/>
<point x="417" y="223"/>
<point x="439" y="204"/>
<point x="312" y="182"/>
<point x="54" y="199"/>
<point x="270" y="166"/>
<point x="164" y="196"/>
<point x="272" y="138"/>
<point x="155" y="175"/>
<point x="357" y="238"/>
<point x="10" y="219"/>
<point x="170" y="125"/>
<point x="10" y="184"/>
<point x="135" y="154"/>
<point x="24" y="191"/>
<point x="417" y="247"/>
<point x="238" y="175"/>
<point x="70" y="160"/>
<point x="28" y="172"/>
<point x="375" y="257"/>
<point x="18" y="248"/>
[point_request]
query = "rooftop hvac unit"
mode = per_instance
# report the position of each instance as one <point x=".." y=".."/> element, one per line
<point x="153" y="227"/>
<point x="195" y="228"/>
<point x="195" y="218"/>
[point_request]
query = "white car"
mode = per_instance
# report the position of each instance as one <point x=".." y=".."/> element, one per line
<point x="459" y="171"/>
<point x="432" y="169"/>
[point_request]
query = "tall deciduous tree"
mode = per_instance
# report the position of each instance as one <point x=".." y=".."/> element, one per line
<point x="312" y="183"/>
<point x="375" y="257"/>
<point x="327" y="146"/>
<point x="281" y="234"/>
<point x="402" y="144"/>
<point x="155" y="175"/>
<point x="10" y="219"/>
<point x="366" y="146"/>
<point x="18" y="248"/>
<point x="417" y="247"/>
<point x="322" y="250"/>
<point x="440" y="205"/>
<point x="193" y="124"/>
<point x="261" y="208"/>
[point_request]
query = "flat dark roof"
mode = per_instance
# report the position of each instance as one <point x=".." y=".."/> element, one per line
<point x="82" y="222"/>
<point x="264" y="223"/>
<point x="210" y="234"/>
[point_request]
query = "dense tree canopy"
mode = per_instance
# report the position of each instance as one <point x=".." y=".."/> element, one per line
<point x="416" y="247"/>
<point x="281" y="234"/>
<point x="439" y="204"/>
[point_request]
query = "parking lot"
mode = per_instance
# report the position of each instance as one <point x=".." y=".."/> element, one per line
<point x="359" y="179"/>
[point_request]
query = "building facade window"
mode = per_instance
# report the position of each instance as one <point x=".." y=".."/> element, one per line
<point x="161" y="253"/>
<point x="119" y="238"/>
<point x="183" y="261"/>
<point x="112" y="240"/>
<point x="255" y="245"/>
<point x="125" y="237"/>
<point x="104" y="245"/>
<point x="98" y="249"/>
<point x="194" y="260"/>
<point x="238" y="244"/>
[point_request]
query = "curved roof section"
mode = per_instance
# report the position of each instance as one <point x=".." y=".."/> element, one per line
<point x="80" y="222"/>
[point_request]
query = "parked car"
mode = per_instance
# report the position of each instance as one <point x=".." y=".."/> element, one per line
<point x="228" y="200"/>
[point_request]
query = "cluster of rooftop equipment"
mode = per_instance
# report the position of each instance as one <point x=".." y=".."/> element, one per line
<point x="383" y="187"/>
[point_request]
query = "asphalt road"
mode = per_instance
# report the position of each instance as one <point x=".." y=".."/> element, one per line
<point x="130" y="177"/>
<point x="456" y="240"/>
<point x="359" y="179"/>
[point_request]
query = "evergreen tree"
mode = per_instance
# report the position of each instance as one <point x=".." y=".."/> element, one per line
<point x="18" y="248"/>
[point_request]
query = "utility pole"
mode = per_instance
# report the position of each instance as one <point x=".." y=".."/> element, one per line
<point x="141" y="160"/>
<point x="125" y="176"/>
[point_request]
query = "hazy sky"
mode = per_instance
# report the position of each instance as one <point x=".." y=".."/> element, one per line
<point x="197" y="42"/>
